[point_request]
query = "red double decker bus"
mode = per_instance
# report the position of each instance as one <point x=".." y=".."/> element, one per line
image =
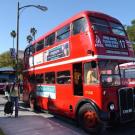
<point x="74" y="71"/>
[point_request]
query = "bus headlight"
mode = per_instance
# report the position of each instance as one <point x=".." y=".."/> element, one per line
<point x="111" y="107"/>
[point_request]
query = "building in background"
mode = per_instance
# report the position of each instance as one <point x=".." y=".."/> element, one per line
<point x="20" y="54"/>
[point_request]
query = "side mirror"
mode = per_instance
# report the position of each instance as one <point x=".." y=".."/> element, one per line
<point x="93" y="64"/>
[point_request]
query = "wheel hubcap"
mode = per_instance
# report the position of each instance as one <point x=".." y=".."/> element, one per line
<point x="90" y="119"/>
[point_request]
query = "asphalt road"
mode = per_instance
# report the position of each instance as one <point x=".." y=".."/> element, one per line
<point x="46" y="124"/>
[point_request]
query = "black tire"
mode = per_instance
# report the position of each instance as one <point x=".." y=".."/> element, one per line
<point x="88" y="119"/>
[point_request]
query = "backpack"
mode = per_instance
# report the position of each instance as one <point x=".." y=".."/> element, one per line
<point x="8" y="108"/>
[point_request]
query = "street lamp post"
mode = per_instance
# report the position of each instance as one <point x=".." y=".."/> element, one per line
<point x="43" y="8"/>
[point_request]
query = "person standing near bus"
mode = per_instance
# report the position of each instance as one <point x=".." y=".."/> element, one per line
<point x="15" y="94"/>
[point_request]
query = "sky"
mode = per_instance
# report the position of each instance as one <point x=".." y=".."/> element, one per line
<point x="58" y="11"/>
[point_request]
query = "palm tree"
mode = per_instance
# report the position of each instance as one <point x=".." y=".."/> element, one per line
<point x="13" y="35"/>
<point x="29" y="38"/>
<point x="33" y="32"/>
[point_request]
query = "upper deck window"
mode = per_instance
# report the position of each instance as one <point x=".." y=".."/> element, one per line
<point x="50" y="39"/>
<point x="99" y="24"/>
<point x="40" y="45"/>
<point x="79" y="26"/>
<point x="63" y="33"/>
<point x="117" y="29"/>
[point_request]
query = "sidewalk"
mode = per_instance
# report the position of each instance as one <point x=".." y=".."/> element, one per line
<point x="30" y="123"/>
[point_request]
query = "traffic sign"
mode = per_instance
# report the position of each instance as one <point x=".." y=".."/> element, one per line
<point x="12" y="53"/>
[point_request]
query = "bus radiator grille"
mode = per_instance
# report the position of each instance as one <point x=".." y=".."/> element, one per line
<point x="126" y="104"/>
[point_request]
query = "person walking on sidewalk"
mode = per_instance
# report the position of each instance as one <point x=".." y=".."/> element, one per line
<point x="15" y="94"/>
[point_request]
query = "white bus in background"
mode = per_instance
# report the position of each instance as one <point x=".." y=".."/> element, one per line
<point x="128" y="73"/>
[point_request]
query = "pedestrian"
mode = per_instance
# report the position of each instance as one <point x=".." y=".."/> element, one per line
<point x="15" y="94"/>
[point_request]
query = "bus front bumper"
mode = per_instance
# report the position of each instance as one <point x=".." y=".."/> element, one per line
<point x="114" y="116"/>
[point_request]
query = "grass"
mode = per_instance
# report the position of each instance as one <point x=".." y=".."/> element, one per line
<point x="1" y="132"/>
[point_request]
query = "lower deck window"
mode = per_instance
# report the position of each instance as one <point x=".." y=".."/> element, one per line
<point x="50" y="78"/>
<point x="63" y="77"/>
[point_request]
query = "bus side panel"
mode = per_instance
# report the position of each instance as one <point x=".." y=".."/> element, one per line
<point x="80" y="48"/>
<point x="94" y="92"/>
<point x="63" y="100"/>
<point x="42" y="102"/>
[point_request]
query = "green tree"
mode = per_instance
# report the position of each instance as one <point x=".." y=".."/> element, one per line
<point x="33" y="32"/>
<point x="131" y="32"/>
<point x="29" y="39"/>
<point x="6" y="61"/>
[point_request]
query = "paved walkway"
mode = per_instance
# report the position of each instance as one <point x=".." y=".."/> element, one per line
<point x="30" y="123"/>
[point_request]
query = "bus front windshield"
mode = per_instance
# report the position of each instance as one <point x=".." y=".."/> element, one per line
<point x="102" y="25"/>
<point x="109" y="73"/>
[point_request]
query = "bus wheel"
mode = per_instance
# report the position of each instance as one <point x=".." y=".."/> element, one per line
<point x="88" y="119"/>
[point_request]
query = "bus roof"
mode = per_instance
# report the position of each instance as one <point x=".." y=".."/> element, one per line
<point x="128" y="65"/>
<point x="78" y="15"/>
